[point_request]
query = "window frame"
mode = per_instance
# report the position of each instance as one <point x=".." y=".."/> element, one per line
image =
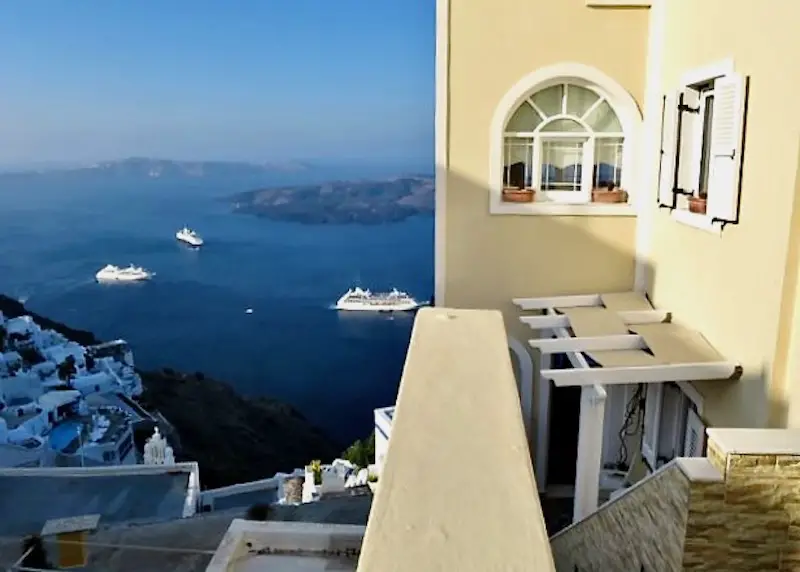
<point x="539" y="136"/>
<point x="696" y="87"/>
<point x="667" y="435"/>
<point x="703" y="137"/>
<point x="628" y="113"/>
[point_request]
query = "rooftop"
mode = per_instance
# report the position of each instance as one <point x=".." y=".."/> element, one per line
<point x="187" y="545"/>
<point x="29" y="497"/>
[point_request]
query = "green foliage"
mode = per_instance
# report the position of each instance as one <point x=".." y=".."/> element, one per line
<point x="316" y="469"/>
<point x="362" y="452"/>
<point x="372" y="478"/>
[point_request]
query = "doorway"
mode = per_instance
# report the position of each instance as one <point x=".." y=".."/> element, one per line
<point x="565" y="411"/>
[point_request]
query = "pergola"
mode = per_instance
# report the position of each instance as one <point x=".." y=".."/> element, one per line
<point x="609" y="339"/>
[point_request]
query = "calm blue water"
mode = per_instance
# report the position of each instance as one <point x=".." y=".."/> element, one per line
<point x="63" y="434"/>
<point x="336" y="368"/>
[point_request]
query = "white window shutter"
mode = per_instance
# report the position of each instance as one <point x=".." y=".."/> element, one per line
<point x="726" y="147"/>
<point x="652" y="423"/>
<point x="688" y="153"/>
<point x="695" y="442"/>
<point x="669" y="148"/>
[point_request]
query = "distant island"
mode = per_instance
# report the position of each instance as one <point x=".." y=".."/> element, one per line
<point x="341" y="202"/>
<point x="154" y="168"/>
<point x="290" y="191"/>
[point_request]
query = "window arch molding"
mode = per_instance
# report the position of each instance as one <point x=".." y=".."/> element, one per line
<point x="620" y="101"/>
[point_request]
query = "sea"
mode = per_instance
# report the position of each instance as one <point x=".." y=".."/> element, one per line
<point x="335" y="367"/>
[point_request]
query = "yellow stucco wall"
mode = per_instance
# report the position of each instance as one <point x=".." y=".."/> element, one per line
<point x="731" y="286"/>
<point x="493" y="258"/>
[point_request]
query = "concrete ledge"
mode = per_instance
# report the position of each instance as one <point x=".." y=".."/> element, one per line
<point x="756" y="441"/>
<point x="699" y="470"/>
<point x="101" y="471"/>
<point x="457" y="491"/>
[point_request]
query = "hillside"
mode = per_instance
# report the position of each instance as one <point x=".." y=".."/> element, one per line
<point x="341" y="202"/>
<point x="235" y="439"/>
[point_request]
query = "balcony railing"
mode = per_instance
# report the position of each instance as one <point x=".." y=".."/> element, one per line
<point x="457" y="491"/>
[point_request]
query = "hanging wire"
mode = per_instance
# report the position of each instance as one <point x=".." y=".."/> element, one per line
<point x="632" y="423"/>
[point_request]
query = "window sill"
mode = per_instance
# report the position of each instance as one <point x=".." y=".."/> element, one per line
<point x="699" y="221"/>
<point x="619" y="3"/>
<point x="561" y="209"/>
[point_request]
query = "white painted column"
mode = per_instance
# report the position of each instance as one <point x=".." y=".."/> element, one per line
<point x="542" y="420"/>
<point x="590" y="451"/>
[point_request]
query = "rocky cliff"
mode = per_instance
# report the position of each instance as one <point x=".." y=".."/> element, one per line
<point x="233" y="438"/>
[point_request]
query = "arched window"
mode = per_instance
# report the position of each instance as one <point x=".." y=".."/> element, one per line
<point x="564" y="141"/>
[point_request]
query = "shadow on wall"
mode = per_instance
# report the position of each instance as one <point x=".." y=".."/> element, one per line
<point x="493" y="258"/>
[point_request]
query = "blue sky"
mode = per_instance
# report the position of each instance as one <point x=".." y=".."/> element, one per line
<point x="83" y="80"/>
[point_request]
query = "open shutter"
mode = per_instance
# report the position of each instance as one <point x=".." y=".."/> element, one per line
<point x="652" y="423"/>
<point x="726" y="148"/>
<point x="688" y="178"/>
<point x="669" y="148"/>
<point x="695" y="443"/>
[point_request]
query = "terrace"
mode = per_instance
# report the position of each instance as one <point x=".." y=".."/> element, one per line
<point x="64" y="436"/>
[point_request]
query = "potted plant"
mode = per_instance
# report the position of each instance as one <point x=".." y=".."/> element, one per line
<point x="372" y="481"/>
<point x="518" y="194"/>
<point x="610" y="193"/>
<point x="698" y="204"/>
<point x="316" y="469"/>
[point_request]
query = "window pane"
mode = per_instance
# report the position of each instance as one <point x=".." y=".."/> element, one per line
<point x="608" y="162"/>
<point x="603" y="119"/>
<point x="562" y="161"/>
<point x="705" y="156"/>
<point x="549" y="100"/>
<point x="564" y="125"/>
<point x="525" y="119"/>
<point x="579" y="100"/>
<point x="517" y="162"/>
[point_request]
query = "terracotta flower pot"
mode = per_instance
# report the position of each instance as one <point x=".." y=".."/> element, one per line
<point x="512" y="195"/>
<point x="602" y="195"/>
<point x="697" y="205"/>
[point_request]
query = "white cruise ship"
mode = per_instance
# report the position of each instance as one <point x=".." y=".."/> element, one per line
<point x="189" y="236"/>
<point x="365" y="301"/>
<point x="111" y="273"/>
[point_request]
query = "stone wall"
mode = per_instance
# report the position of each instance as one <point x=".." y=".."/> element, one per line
<point x="749" y="522"/>
<point x="645" y="527"/>
<point x="736" y="510"/>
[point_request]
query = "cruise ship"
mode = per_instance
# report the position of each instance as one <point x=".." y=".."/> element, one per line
<point x="358" y="299"/>
<point x="111" y="273"/>
<point x="189" y="236"/>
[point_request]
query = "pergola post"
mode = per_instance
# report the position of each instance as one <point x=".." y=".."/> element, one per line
<point x="590" y="452"/>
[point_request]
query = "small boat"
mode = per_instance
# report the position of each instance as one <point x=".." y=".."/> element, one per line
<point x="189" y="236"/>
<point x="111" y="273"/>
<point x="356" y="299"/>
